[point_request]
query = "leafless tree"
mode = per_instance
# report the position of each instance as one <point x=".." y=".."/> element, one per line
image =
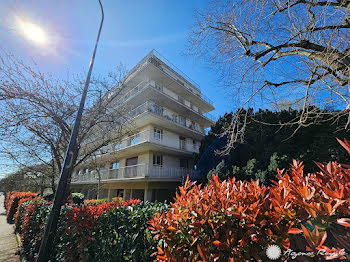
<point x="38" y="112"/>
<point x="279" y="50"/>
<point x="34" y="178"/>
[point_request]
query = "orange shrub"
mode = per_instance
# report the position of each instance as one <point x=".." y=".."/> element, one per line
<point x="12" y="203"/>
<point x="238" y="220"/>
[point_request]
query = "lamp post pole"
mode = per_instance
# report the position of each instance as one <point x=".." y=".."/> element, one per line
<point x="69" y="161"/>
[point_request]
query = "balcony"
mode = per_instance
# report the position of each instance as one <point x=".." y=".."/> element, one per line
<point x="172" y="71"/>
<point x="140" y="171"/>
<point x="148" y="136"/>
<point x="153" y="108"/>
<point x="188" y="81"/>
<point x="152" y="84"/>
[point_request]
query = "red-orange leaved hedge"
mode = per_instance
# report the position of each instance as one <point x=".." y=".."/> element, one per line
<point x="238" y="220"/>
<point x="11" y="203"/>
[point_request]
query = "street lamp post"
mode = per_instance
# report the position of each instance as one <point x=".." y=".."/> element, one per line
<point x="69" y="160"/>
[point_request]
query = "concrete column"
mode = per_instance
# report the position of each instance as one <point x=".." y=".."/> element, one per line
<point x="88" y="194"/>
<point x="148" y="194"/>
<point x="110" y="194"/>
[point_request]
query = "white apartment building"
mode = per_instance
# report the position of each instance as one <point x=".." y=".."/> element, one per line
<point x="169" y="115"/>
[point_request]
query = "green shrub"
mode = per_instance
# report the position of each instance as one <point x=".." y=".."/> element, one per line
<point x="121" y="234"/>
<point x="117" y="199"/>
<point x="92" y="202"/>
<point x="78" y="198"/>
<point x="48" y="196"/>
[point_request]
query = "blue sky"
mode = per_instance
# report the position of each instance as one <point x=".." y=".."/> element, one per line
<point x="131" y="29"/>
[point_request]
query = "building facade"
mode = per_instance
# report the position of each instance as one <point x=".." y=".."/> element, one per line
<point x="169" y="116"/>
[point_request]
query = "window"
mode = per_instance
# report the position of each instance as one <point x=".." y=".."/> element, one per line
<point x="132" y="161"/>
<point x="158" y="160"/>
<point x="118" y="146"/>
<point x="194" y="145"/>
<point x="182" y="120"/>
<point x="182" y="141"/>
<point x="115" y="165"/>
<point x="181" y="100"/>
<point x="133" y="140"/>
<point x="158" y="133"/>
<point x="184" y="162"/>
<point x="93" y="172"/>
<point x="159" y="87"/>
<point x="157" y="109"/>
<point x="192" y="125"/>
<point x="174" y="117"/>
<point x="131" y="168"/>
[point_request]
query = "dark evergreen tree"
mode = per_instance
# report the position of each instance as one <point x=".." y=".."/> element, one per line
<point x="268" y="145"/>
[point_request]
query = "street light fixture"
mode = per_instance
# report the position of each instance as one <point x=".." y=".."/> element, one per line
<point x="69" y="160"/>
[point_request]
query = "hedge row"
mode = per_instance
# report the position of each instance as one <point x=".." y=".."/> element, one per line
<point x="232" y="220"/>
<point x="110" y="231"/>
<point x="238" y="221"/>
<point x="12" y="200"/>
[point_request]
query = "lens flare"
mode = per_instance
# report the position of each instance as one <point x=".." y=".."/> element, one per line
<point x="33" y="32"/>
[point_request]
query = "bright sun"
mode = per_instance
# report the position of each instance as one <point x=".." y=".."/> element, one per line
<point x="33" y="32"/>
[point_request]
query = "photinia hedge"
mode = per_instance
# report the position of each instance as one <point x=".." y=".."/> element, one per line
<point x="33" y="227"/>
<point x="78" y="225"/>
<point x="12" y="201"/>
<point x="238" y="221"/>
<point x="21" y="211"/>
<point x="76" y="228"/>
<point x="121" y="234"/>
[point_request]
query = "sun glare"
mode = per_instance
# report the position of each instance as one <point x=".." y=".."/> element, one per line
<point x="33" y="32"/>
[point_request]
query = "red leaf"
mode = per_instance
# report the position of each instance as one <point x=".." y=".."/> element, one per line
<point x="201" y="253"/>
<point x="171" y="228"/>
<point x="323" y="239"/>
<point x="345" y="144"/>
<point x="294" y="231"/>
<point x="216" y="243"/>
<point x="160" y="251"/>
<point x="344" y="222"/>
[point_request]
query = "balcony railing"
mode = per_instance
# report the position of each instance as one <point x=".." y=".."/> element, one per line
<point x="149" y="136"/>
<point x="152" y="107"/>
<point x="136" y="171"/>
<point x="180" y="73"/>
<point x="150" y="83"/>
<point x="156" y="59"/>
